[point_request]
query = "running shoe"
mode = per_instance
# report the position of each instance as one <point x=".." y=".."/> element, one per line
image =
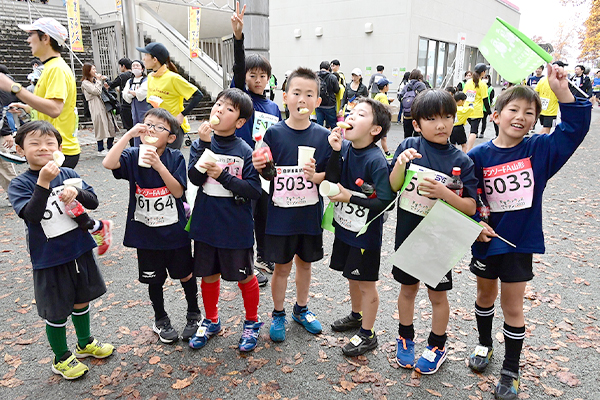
<point x="261" y="278"/>
<point x="164" y="329"/>
<point x="508" y="386"/>
<point x="249" y="337"/>
<point x="277" y="330"/>
<point x="360" y="344"/>
<point x="309" y="321"/>
<point x="103" y="236"/>
<point x="266" y="266"/>
<point x="431" y="360"/>
<point x="70" y="368"/>
<point x="192" y="325"/>
<point x="346" y="323"/>
<point x="480" y="358"/>
<point x="405" y="353"/>
<point x="206" y="330"/>
<point x="94" y="349"/>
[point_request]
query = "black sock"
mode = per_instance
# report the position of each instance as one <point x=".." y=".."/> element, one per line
<point x="437" y="340"/>
<point x="513" y="342"/>
<point x="298" y="309"/>
<point x="367" y="333"/>
<point x="356" y="315"/>
<point x="278" y="313"/>
<point x="155" y="291"/>
<point x="190" y="288"/>
<point x="406" y="331"/>
<point x="485" y="318"/>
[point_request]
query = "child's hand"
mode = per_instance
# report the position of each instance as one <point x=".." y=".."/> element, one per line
<point x="343" y="196"/>
<point x="204" y="131"/>
<point x="68" y="194"/>
<point x="138" y="130"/>
<point x="47" y="173"/>
<point x="310" y="169"/>
<point x="433" y="189"/>
<point x="258" y="160"/>
<point x="335" y="139"/>
<point x="407" y="155"/>
<point x="558" y="80"/>
<point x="486" y="234"/>
<point x="237" y="21"/>
<point x="212" y="169"/>
<point x="152" y="158"/>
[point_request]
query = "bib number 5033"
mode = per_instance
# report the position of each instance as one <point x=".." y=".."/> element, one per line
<point x="508" y="182"/>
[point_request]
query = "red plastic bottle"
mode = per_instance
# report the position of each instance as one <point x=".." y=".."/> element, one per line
<point x="269" y="172"/>
<point x="367" y="189"/>
<point x="455" y="183"/>
<point x="483" y="207"/>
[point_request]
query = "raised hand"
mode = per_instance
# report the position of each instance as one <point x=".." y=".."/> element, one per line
<point x="237" y="21"/>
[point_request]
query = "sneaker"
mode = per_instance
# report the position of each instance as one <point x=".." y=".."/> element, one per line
<point x="508" y="386"/>
<point x="359" y="344"/>
<point x="266" y="266"/>
<point x="103" y="236"/>
<point x="165" y="331"/>
<point x="431" y="360"/>
<point x="261" y="278"/>
<point x="102" y="153"/>
<point x="277" y="330"/>
<point x="94" y="349"/>
<point x="249" y="337"/>
<point x="206" y="330"/>
<point x="389" y="155"/>
<point x="191" y="327"/>
<point x="480" y="358"/>
<point x="405" y="353"/>
<point x="346" y="323"/>
<point x="309" y="321"/>
<point x="71" y="368"/>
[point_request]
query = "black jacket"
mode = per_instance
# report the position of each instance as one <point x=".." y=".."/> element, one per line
<point x="333" y="87"/>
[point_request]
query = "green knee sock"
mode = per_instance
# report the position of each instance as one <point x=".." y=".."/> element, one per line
<point x="56" y="332"/>
<point x="81" y="321"/>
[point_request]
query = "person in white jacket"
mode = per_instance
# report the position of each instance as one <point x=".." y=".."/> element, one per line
<point x="134" y="93"/>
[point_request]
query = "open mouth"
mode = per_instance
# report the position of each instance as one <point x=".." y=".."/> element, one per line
<point x="344" y="125"/>
<point x="517" y="126"/>
<point x="303" y="110"/>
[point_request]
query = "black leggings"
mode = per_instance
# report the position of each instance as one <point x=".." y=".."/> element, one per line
<point x="71" y="161"/>
<point x="409" y="130"/>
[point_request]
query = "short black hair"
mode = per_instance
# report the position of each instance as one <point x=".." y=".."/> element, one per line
<point x="432" y="102"/>
<point x="458" y="96"/>
<point x="43" y="127"/>
<point x="451" y="89"/>
<point x="580" y="66"/>
<point x="519" y="93"/>
<point x="165" y="115"/>
<point x="325" y="65"/>
<point x="125" y="62"/>
<point x="259" y="63"/>
<point x="541" y="66"/>
<point x="380" y="68"/>
<point x="381" y="116"/>
<point x="240" y="100"/>
<point x="302" y="72"/>
<point x="335" y="62"/>
<point x="53" y="43"/>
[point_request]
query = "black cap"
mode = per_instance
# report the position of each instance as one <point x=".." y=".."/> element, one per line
<point x="157" y="50"/>
<point x="335" y="62"/>
<point x="560" y="63"/>
<point x="479" y="68"/>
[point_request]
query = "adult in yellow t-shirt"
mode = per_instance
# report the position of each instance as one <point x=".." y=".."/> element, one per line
<point x="477" y="94"/>
<point x="167" y="89"/>
<point x="55" y="93"/>
<point x="549" y="103"/>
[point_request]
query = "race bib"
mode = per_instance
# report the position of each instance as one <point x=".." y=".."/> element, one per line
<point x="350" y="216"/>
<point x="411" y="200"/>
<point x="509" y="186"/>
<point x="262" y="122"/>
<point x="471" y="95"/>
<point x="155" y="207"/>
<point x="545" y="103"/>
<point x="291" y="189"/>
<point x="231" y="164"/>
<point x="56" y="221"/>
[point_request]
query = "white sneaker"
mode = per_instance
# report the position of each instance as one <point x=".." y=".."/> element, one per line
<point x="102" y="153"/>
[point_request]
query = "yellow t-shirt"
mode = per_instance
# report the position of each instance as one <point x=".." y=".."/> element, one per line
<point x="57" y="82"/>
<point x="382" y="98"/>
<point x="171" y="88"/>
<point x="475" y="95"/>
<point x="462" y="113"/>
<point x="549" y="99"/>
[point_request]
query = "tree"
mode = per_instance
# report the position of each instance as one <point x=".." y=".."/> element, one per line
<point x="562" y="42"/>
<point x="590" y="36"/>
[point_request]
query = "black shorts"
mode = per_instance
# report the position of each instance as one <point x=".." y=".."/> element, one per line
<point x="406" y="279"/>
<point x="281" y="249"/>
<point x="356" y="264"/>
<point x="234" y="265"/>
<point x="58" y="289"/>
<point x="154" y="264"/>
<point x="547" y="121"/>
<point x="458" y="136"/>
<point x="474" y="122"/>
<point x="509" y="267"/>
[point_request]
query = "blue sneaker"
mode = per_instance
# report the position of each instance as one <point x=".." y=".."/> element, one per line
<point x="405" y="353"/>
<point x="277" y="330"/>
<point x="206" y="330"/>
<point x="431" y="360"/>
<point x="249" y="337"/>
<point x="508" y="386"/>
<point x="309" y="321"/>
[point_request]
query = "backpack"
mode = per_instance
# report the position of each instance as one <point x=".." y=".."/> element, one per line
<point x="324" y="90"/>
<point x="408" y="99"/>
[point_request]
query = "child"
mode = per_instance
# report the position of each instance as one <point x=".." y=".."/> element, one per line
<point x="549" y="102"/>
<point x="433" y="112"/>
<point x="358" y="258"/>
<point x="516" y="215"/>
<point x="459" y="135"/>
<point x="156" y="217"/>
<point x="227" y="185"/>
<point x="382" y="97"/>
<point x="66" y="276"/>
<point x="251" y="74"/>
<point x="295" y="208"/>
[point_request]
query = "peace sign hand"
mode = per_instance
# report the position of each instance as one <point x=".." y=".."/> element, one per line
<point x="237" y="21"/>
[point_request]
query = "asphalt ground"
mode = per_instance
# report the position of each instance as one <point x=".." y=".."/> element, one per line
<point x="560" y="358"/>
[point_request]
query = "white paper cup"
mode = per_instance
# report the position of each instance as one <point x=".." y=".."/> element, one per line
<point x="327" y="189"/>
<point x="421" y="175"/>
<point x="75" y="182"/>
<point x="208" y="155"/>
<point x="305" y="153"/>
<point x="144" y="148"/>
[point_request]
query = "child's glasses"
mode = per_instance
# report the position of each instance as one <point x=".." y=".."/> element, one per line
<point x="158" y="128"/>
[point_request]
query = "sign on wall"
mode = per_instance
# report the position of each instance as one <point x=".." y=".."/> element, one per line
<point x="75" y="37"/>
<point x="194" y="31"/>
<point x="459" y="65"/>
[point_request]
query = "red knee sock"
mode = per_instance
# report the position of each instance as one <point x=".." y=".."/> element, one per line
<point x="250" y="294"/>
<point x="210" y="299"/>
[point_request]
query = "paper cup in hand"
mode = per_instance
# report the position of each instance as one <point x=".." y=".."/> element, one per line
<point x="145" y="148"/>
<point x="207" y="156"/>
<point x="327" y="189"/>
<point x="305" y="153"/>
<point x="421" y="175"/>
<point x="75" y="182"/>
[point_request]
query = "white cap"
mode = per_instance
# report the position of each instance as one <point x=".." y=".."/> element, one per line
<point x="357" y="72"/>
<point x="49" y="26"/>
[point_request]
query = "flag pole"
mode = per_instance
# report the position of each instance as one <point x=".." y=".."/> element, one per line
<point x="579" y="90"/>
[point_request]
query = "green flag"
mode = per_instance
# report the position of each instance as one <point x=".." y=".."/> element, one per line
<point x="327" y="222"/>
<point x="511" y="53"/>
